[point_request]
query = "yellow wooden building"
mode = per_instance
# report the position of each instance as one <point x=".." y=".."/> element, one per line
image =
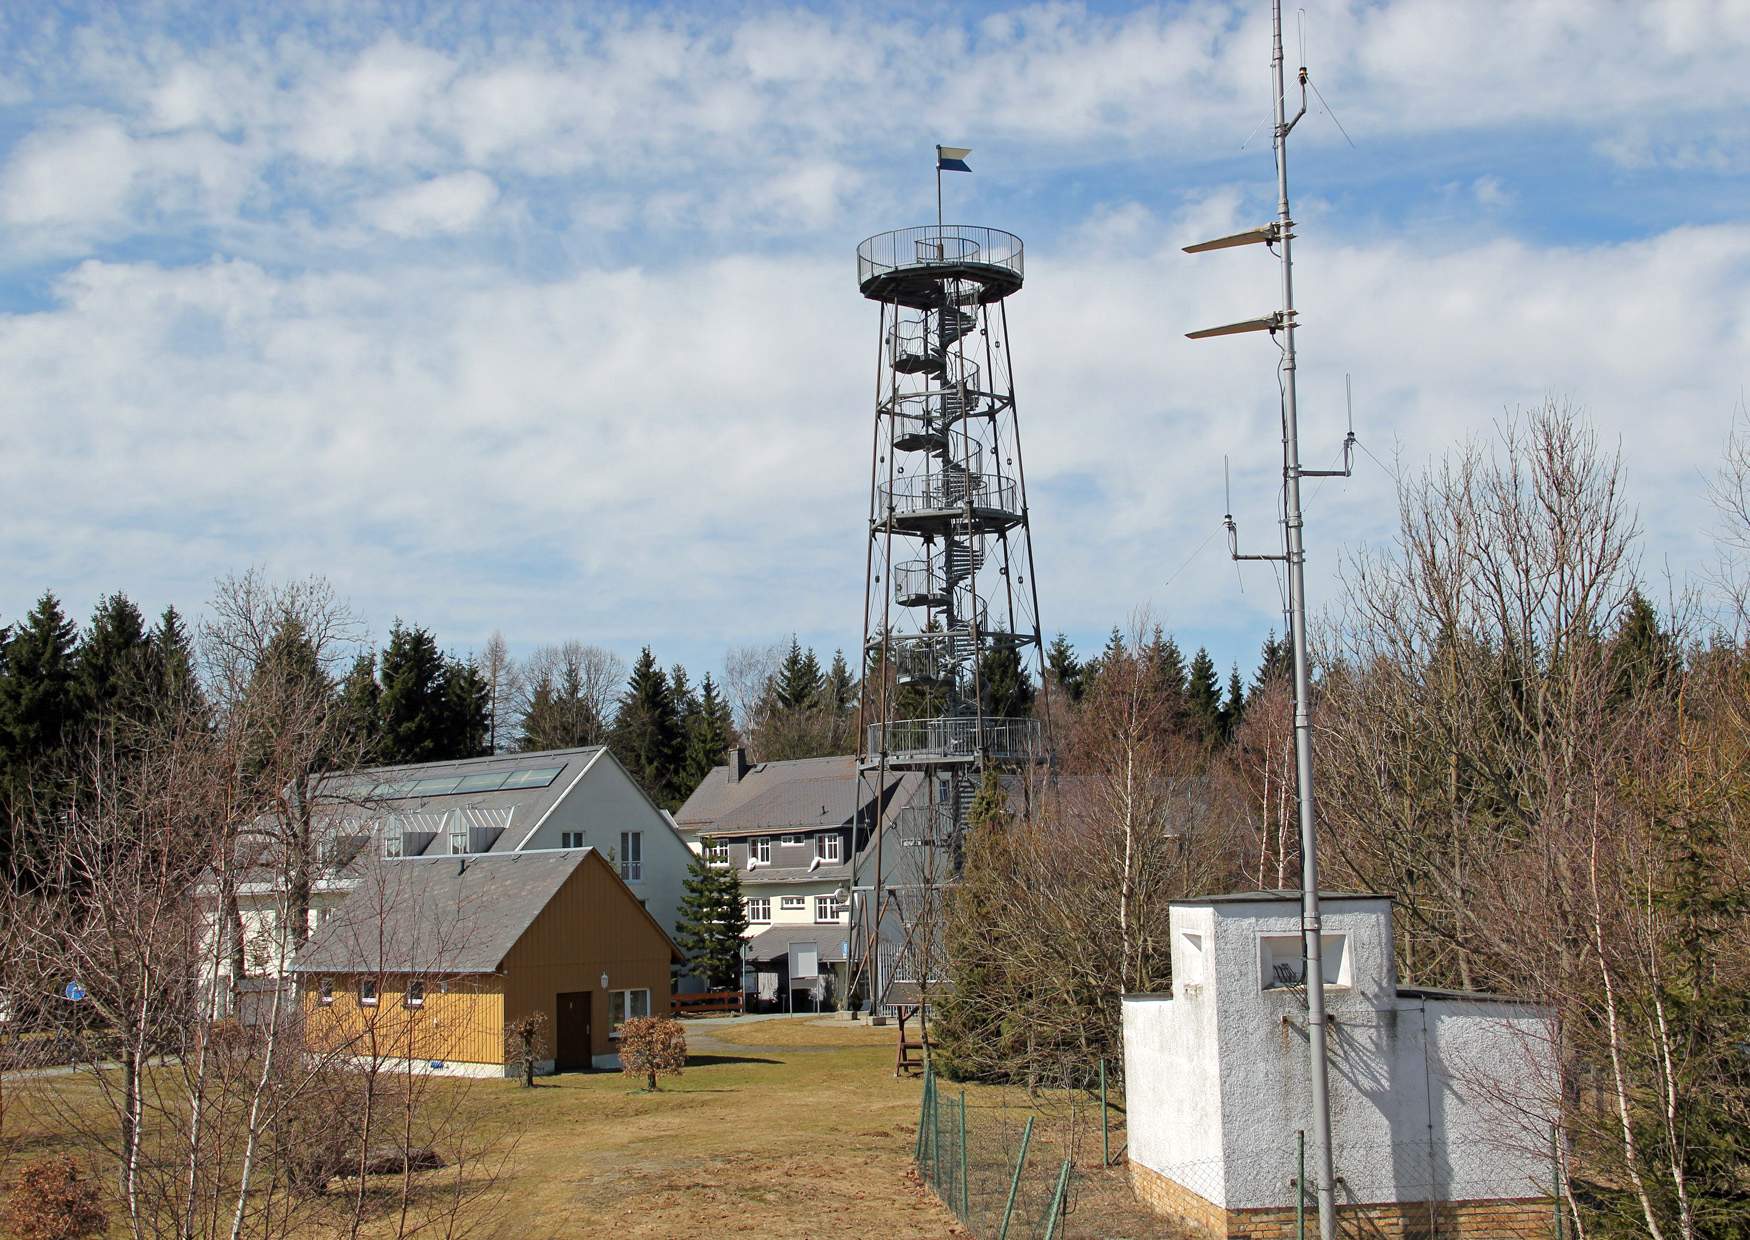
<point x="427" y="959"/>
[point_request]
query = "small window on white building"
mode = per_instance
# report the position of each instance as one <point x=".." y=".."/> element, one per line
<point x="1190" y="964"/>
<point x="571" y="839"/>
<point x="829" y="847"/>
<point x="759" y="908"/>
<point x="716" y="852"/>
<point x="828" y="908"/>
<point x="1281" y="960"/>
<point x="792" y="904"/>
<point x="415" y="996"/>
<point x="632" y="856"/>
<point x="789" y="840"/>
<point x="761" y="850"/>
<point x="367" y="992"/>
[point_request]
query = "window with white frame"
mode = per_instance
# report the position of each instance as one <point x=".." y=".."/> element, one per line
<point x="759" y="908"/>
<point x="367" y="992"/>
<point x="415" y="996"/>
<point x="624" y="1005"/>
<point x="828" y="908"/>
<point x="459" y="839"/>
<point x="571" y="839"/>
<point x="632" y="856"/>
<point x="325" y="991"/>
<point x="716" y="852"/>
<point x="792" y="904"/>
<point x="761" y="850"/>
<point x="830" y="846"/>
<point x="790" y="839"/>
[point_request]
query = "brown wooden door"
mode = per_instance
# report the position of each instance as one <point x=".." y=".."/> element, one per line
<point x="571" y="1034"/>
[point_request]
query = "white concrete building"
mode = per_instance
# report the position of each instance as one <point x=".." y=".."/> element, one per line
<point x="1436" y="1096"/>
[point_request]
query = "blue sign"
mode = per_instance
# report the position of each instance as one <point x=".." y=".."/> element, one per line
<point x="73" y="991"/>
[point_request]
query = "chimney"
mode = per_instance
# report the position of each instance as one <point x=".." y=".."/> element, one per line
<point x="737" y="758"/>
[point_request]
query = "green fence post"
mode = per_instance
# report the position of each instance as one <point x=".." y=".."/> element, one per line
<point x="1056" y="1216"/>
<point x="1555" y="1177"/>
<point x="936" y="1140"/>
<point x="923" y="1116"/>
<point x="1015" y="1180"/>
<point x="965" y="1191"/>
<point x="1300" y="1190"/>
<point x="1105" y="1128"/>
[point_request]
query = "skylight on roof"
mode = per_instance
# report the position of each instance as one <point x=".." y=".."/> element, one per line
<point x="517" y="779"/>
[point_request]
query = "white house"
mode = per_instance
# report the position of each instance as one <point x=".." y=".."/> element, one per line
<point x="1440" y="1101"/>
<point x="553" y="799"/>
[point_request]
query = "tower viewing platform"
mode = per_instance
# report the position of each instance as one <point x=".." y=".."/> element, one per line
<point x="909" y="265"/>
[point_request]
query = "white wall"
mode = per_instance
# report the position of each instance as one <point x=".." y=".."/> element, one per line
<point x="1218" y="1076"/>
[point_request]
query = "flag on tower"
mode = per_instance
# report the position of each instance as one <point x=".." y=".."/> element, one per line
<point x="952" y="158"/>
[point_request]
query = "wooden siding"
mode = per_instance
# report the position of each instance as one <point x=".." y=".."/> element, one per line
<point x="591" y="926"/>
<point x="461" y="1020"/>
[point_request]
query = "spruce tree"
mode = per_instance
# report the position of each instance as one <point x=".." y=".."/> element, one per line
<point x="1004" y="684"/>
<point x="710" y="733"/>
<point x="1233" y="712"/>
<point x="1065" y="668"/>
<point x="711" y="923"/>
<point x="172" y="658"/>
<point x="799" y="682"/>
<point x="360" y="710"/>
<point x="467" y="696"/>
<point x="1642" y="655"/>
<point x="39" y="711"/>
<point x="1167" y="675"/>
<point x="646" y="735"/>
<point x="114" y="680"/>
<point x="1203" y="699"/>
<point x="414" y="711"/>
<point x="1275" y="665"/>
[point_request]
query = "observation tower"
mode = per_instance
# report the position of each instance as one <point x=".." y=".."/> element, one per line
<point x="951" y="610"/>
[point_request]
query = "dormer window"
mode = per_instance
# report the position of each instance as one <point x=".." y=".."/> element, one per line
<point x="761" y="850"/>
<point x="716" y="852"/>
<point x="830" y="846"/>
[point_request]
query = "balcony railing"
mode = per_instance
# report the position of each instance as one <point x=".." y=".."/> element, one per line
<point x="950" y="492"/>
<point x="956" y="738"/>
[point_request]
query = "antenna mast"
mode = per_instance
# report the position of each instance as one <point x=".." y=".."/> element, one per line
<point x="1281" y="233"/>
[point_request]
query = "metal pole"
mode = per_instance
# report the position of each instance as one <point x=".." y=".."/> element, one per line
<point x="1056" y="1216"/>
<point x="1300" y="1188"/>
<point x="965" y="1192"/>
<point x="1105" y="1128"/>
<point x="935" y="1136"/>
<point x="1309" y="863"/>
<point x="1015" y="1180"/>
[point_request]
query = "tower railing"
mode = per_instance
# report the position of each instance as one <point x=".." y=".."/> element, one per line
<point x="949" y="491"/>
<point x="940" y="245"/>
<point x="955" y="738"/>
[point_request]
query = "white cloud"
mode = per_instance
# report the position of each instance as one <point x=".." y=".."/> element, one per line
<point x="446" y="204"/>
<point x="78" y="176"/>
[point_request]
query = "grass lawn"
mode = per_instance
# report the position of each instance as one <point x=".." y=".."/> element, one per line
<point x="781" y="1128"/>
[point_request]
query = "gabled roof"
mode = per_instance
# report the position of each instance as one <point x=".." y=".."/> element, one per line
<point x="439" y="915"/>
<point x="799" y="795"/>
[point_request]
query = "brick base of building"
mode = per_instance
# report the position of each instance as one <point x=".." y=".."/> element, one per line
<point x="1528" y="1218"/>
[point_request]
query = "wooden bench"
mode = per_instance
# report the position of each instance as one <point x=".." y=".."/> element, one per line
<point x="711" y="1003"/>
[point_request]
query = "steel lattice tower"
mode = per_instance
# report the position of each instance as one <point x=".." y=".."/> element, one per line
<point x="951" y="610"/>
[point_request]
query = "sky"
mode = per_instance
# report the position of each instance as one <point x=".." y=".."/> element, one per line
<point x="544" y="318"/>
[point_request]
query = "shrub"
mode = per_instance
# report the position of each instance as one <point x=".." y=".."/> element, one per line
<point x="652" y="1044"/>
<point x="525" y="1043"/>
<point x="53" y="1201"/>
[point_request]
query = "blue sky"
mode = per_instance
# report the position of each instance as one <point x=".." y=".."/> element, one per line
<point x="546" y="321"/>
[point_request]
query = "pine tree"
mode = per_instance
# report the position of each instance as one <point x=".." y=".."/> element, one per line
<point x="798" y="684"/>
<point x="1642" y="655"/>
<point x="711" y="923"/>
<point x="114" y="680"/>
<point x="1275" y="664"/>
<point x="646" y="735"/>
<point x="1166" y="670"/>
<point x="1203" y="699"/>
<point x="710" y="733"/>
<point x="1065" y="668"/>
<point x="414" y="711"/>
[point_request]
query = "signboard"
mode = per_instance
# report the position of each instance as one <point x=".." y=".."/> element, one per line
<point x="73" y="992"/>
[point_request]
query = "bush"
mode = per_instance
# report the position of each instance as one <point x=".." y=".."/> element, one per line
<point x="652" y="1044"/>
<point x="53" y="1201"/>
<point x="525" y="1043"/>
